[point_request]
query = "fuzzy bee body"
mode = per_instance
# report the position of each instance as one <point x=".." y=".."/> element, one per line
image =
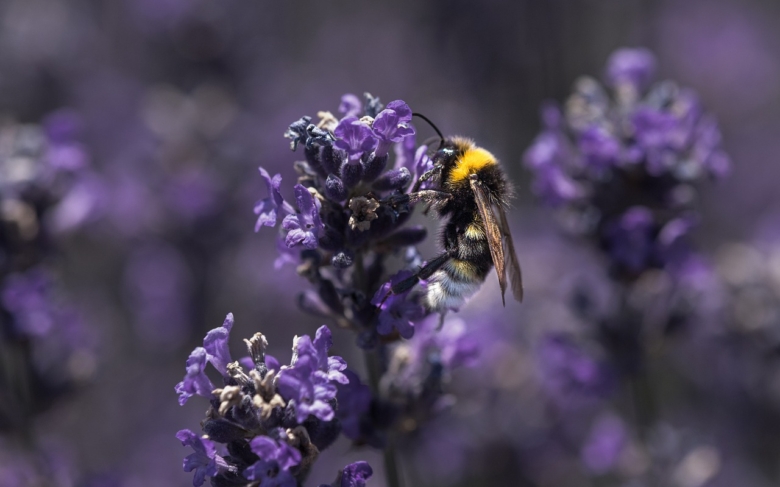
<point x="469" y="190"/>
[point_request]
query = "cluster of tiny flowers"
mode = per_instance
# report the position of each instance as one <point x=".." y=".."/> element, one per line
<point x="623" y="165"/>
<point x="347" y="222"/>
<point x="344" y="232"/>
<point x="42" y="172"/>
<point x="272" y="421"/>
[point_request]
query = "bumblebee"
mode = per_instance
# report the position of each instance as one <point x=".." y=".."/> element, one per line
<point x="468" y="188"/>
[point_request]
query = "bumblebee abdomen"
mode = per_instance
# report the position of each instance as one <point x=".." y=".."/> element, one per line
<point x="450" y="286"/>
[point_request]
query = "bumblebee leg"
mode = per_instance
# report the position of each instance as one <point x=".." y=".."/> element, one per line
<point x="425" y="272"/>
<point x="435" y="199"/>
<point x="424" y="177"/>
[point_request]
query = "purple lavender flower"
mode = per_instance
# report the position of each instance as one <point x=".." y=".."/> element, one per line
<point x="308" y="388"/>
<point x="396" y="312"/>
<point x="196" y="381"/>
<point x="304" y="227"/>
<point x="391" y="125"/>
<point x="353" y="475"/>
<point x="356" y="474"/>
<point x="267" y="209"/>
<point x="350" y="105"/>
<point x="216" y="345"/>
<point x="26" y="296"/>
<point x="276" y="460"/>
<point x="203" y="460"/>
<point x="318" y="349"/>
<point x="354" y="137"/>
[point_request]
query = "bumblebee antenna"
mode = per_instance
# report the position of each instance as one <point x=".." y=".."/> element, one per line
<point x="441" y="137"/>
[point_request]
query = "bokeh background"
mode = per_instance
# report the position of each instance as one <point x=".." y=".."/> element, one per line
<point x="178" y="103"/>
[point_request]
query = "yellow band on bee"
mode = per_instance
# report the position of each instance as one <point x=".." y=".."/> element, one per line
<point x="472" y="161"/>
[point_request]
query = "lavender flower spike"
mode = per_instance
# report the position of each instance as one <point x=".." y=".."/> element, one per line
<point x="304" y="227"/>
<point x="267" y="208"/>
<point x="195" y="382"/>
<point x="216" y="345"/>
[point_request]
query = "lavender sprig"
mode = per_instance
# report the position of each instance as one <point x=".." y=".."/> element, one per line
<point x="344" y="230"/>
<point x="622" y="167"/>
<point x="273" y="421"/>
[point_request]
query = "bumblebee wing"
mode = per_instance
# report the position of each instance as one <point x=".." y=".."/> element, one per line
<point x="515" y="274"/>
<point x="492" y="231"/>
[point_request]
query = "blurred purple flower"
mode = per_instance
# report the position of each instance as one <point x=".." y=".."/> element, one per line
<point x="569" y="375"/>
<point x="630" y="239"/>
<point x="157" y="285"/>
<point x="655" y="132"/>
<point x="600" y="148"/>
<point x="26" y="296"/>
<point x="634" y="67"/>
<point x="354" y="399"/>
<point x="195" y="381"/>
<point x="354" y="137"/>
<point x="350" y="105"/>
<point x="192" y="193"/>
<point x="604" y="445"/>
<point x="304" y="227"/>
<point x="614" y="151"/>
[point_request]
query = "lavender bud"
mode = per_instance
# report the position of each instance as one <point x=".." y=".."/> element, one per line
<point x="327" y="292"/>
<point x="393" y="179"/>
<point x="373" y="167"/>
<point x="331" y="159"/>
<point x="312" y="154"/>
<point x="373" y="105"/>
<point x="351" y="173"/>
<point x="343" y="259"/>
<point x="322" y="433"/>
<point x="334" y="188"/>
